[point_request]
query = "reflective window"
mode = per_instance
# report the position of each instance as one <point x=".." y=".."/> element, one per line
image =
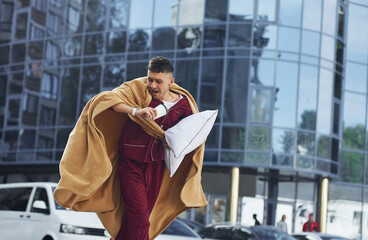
<point x="4" y="57"/>
<point x="14" y="199"/>
<point x="54" y="24"/>
<point x="236" y="91"/>
<point x="186" y="75"/>
<point x="13" y="112"/>
<point x="310" y="42"/>
<point x="283" y="141"/>
<point x="40" y="5"/>
<point x="357" y="37"/>
<point x="312" y="14"/>
<point x="307" y="100"/>
<point x="189" y="39"/>
<point x="90" y="84"/>
<point x="216" y="10"/>
<point x="290" y="12"/>
<point x="213" y="138"/>
<point x="258" y="159"/>
<point x="165" y="13"/>
<point x="52" y="53"/>
<point x="352" y="167"/>
<point x="210" y="156"/>
<point x="356" y="77"/>
<point x="282" y="160"/>
<point x="139" y="40"/>
<point x="74" y="19"/>
<point x="69" y="96"/>
<point x="45" y="139"/>
<point x="285" y="94"/>
<point x="93" y="44"/>
<point x="261" y="105"/>
<point x="6" y="16"/>
<point x="353" y="132"/>
<point x="341" y="23"/>
<point x="21" y="26"/>
<point x="329" y="17"/>
<point x="262" y="72"/>
<point x="47" y="113"/>
<point x="72" y="46"/>
<point x="10" y="140"/>
<point x="289" y="39"/>
<point x="211" y="84"/>
<point x="240" y="35"/>
<point x="96" y="15"/>
<point x="163" y="38"/>
<point x="30" y="109"/>
<point x="140" y="14"/>
<point x="233" y="137"/>
<point x="258" y="139"/>
<point x="62" y="137"/>
<point x="36" y="32"/>
<point x="305" y="143"/>
<point x="265" y="37"/>
<point x="328" y="48"/>
<point x="33" y="77"/>
<point x="115" y="42"/>
<point x="241" y="10"/>
<point x="27" y="139"/>
<point x="194" y="9"/>
<point x="232" y="157"/>
<point x="323" y="146"/>
<point x="324" y="102"/>
<point x="19" y="52"/>
<point x="214" y="36"/>
<point x="135" y="70"/>
<point x="49" y="86"/>
<point x="304" y="162"/>
<point x="266" y="10"/>
<point x="118" y="13"/>
<point x="113" y="75"/>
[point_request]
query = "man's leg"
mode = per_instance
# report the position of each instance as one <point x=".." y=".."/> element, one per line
<point x="133" y="188"/>
<point x="154" y="175"/>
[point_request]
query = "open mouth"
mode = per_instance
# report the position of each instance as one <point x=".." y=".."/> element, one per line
<point x="154" y="91"/>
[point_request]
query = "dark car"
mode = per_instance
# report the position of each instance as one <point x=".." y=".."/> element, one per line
<point x="240" y="232"/>
<point x="317" y="236"/>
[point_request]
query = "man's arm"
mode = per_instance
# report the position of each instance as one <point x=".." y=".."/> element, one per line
<point x="148" y="112"/>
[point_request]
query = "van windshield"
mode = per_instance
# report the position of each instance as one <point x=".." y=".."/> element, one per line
<point x="57" y="206"/>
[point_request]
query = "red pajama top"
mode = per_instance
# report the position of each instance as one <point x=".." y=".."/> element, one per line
<point x="135" y="144"/>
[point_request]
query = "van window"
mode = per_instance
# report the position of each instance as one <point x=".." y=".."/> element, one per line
<point x="14" y="199"/>
<point x="40" y="194"/>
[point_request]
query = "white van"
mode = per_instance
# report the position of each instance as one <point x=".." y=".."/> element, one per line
<point x="29" y="211"/>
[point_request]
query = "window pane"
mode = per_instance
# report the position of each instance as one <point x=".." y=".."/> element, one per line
<point x="213" y="138"/>
<point x="189" y="39"/>
<point x="27" y="139"/>
<point x="290" y="12"/>
<point x="93" y="44"/>
<point x="90" y="84"/>
<point x="19" y="53"/>
<point x="211" y="84"/>
<point x="4" y="57"/>
<point x="241" y="10"/>
<point x="261" y="105"/>
<point x="312" y="14"/>
<point x="30" y="109"/>
<point x="135" y="70"/>
<point x="165" y="13"/>
<point x="191" y="8"/>
<point x="216" y="10"/>
<point x="352" y="167"/>
<point x="310" y="43"/>
<point x="329" y="17"/>
<point x="139" y="40"/>
<point x="259" y="139"/>
<point x="140" y="13"/>
<point x="328" y="48"/>
<point x="163" y="38"/>
<point x="186" y="75"/>
<point x="236" y="91"/>
<point x="289" y="39"/>
<point x="113" y="75"/>
<point x="118" y="13"/>
<point x="265" y="37"/>
<point x="45" y="139"/>
<point x="75" y="19"/>
<point x="233" y="137"/>
<point x="304" y="163"/>
<point x="306" y="143"/>
<point x="307" y="97"/>
<point x="69" y="93"/>
<point x="283" y="141"/>
<point x="214" y="36"/>
<point x="353" y="121"/>
<point x="263" y="72"/>
<point x="233" y="157"/>
<point x="285" y="96"/>
<point x="323" y="146"/>
<point x="258" y="159"/>
<point x="357" y="37"/>
<point x="21" y="27"/>
<point x="96" y="15"/>
<point x="115" y="42"/>
<point x="266" y="10"/>
<point x="10" y="140"/>
<point x="62" y="137"/>
<point x="13" y="112"/>
<point x="324" y="102"/>
<point x="356" y="77"/>
<point x="240" y="35"/>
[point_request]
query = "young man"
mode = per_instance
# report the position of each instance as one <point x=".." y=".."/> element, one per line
<point x="113" y="161"/>
<point x="141" y="164"/>
<point x="281" y="225"/>
<point x="310" y="225"/>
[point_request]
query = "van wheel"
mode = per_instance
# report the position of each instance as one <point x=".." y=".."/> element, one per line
<point x="47" y="238"/>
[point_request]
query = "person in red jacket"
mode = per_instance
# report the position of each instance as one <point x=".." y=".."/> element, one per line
<point x="310" y="225"/>
<point x="141" y="164"/>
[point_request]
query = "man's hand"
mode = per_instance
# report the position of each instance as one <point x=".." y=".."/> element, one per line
<point x="148" y="113"/>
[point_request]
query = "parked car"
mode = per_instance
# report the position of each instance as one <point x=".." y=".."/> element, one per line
<point x="29" y="211"/>
<point x="317" y="236"/>
<point x="238" y="231"/>
<point x="178" y="230"/>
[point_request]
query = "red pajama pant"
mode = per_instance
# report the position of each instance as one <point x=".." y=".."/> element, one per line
<point x="140" y="184"/>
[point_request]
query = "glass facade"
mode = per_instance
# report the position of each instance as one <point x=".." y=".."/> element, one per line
<point x="289" y="78"/>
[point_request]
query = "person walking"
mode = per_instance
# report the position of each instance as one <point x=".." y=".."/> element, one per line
<point x="311" y="225"/>
<point x="281" y="225"/>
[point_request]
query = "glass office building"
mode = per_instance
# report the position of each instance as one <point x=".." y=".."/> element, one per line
<point x="288" y="76"/>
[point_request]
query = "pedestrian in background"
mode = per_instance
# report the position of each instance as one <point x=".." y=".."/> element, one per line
<point x="311" y="225"/>
<point x="281" y="225"/>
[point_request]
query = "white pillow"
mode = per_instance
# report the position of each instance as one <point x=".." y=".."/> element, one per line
<point x="186" y="136"/>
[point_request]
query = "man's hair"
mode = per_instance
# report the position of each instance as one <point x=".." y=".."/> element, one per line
<point x="160" y="65"/>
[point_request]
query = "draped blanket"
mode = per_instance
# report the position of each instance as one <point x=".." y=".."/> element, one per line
<point x="88" y="168"/>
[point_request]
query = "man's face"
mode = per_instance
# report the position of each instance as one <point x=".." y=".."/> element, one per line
<point x="159" y="84"/>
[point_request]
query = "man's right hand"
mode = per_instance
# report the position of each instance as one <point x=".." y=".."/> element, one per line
<point x="148" y="113"/>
